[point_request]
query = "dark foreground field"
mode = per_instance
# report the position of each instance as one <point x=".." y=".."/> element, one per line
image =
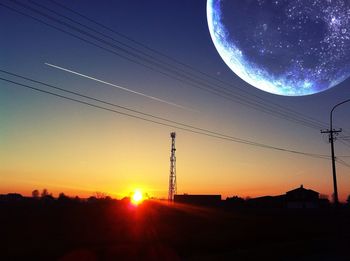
<point x="114" y="230"/>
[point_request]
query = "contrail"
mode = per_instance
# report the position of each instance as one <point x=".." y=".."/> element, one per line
<point x="119" y="87"/>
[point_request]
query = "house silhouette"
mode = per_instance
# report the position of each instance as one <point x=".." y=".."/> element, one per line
<point x="296" y="198"/>
<point x="302" y="198"/>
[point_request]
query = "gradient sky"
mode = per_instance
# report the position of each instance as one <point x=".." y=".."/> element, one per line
<point x="47" y="142"/>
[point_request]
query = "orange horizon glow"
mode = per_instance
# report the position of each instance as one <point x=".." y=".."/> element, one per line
<point x="243" y="193"/>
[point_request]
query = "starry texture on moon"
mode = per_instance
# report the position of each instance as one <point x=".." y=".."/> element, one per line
<point x="285" y="47"/>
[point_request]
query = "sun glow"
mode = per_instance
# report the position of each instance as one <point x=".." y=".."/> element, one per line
<point x="137" y="197"/>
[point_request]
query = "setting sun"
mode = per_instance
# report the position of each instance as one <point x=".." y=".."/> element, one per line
<point x="137" y="197"/>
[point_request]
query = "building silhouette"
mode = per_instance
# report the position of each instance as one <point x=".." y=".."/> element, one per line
<point x="198" y="200"/>
<point x="295" y="198"/>
<point x="302" y="198"/>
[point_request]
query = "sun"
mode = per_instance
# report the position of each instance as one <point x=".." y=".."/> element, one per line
<point x="137" y="197"/>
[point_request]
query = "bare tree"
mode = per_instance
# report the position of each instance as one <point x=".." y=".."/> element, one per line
<point x="100" y="195"/>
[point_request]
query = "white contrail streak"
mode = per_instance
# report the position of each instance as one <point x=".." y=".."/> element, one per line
<point x="119" y="87"/>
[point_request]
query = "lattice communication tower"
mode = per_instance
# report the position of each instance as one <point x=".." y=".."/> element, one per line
<point x="172" y="176"/>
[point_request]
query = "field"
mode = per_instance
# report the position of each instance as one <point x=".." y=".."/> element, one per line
<point x="155" y="230"/>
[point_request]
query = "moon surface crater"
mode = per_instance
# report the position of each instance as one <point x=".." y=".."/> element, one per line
<point x="285" y="47"/>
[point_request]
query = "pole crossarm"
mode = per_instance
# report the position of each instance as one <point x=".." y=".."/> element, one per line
<point x="334" y="131"/>
<point x="331" y="133"/>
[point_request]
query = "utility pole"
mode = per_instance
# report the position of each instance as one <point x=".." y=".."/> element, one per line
<point x="332" y="132"/>
<point x="172" y="176"/>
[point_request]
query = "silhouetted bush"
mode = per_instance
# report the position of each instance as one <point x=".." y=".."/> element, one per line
<point x="48" y="198"/>
<point x="92" y="199"/>
<point x="235" y="199"/>
<point x="76" y="199"/>
<point x="108" y="198"/>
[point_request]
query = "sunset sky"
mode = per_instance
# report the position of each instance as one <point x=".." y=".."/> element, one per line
<point x="64" y="146"/>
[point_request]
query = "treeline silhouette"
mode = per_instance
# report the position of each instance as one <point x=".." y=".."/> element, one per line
<point x="43" y="227"/>
<point x="46" y="196"/>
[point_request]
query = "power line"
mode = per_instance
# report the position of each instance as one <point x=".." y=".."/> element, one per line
<point x="190" y="129"/>
<point x="252" y="104"/>
<point x="46" y="16"/>
<point x="347" y="145"/>
<point x="111" y="104"/>
<point x="169" y="57"/>
<point x="342" y="162"/>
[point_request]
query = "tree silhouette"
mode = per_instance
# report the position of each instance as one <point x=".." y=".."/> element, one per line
<point x="35" y="193"/>
<point x="62" y="197"/>
<point x="100" y="195"/>
<point x="44" y="193"/>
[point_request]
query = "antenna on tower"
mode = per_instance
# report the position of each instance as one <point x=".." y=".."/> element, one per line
<point x="172" y="176"/>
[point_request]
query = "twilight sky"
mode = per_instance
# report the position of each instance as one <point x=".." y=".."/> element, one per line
<point x="48" y="142"/>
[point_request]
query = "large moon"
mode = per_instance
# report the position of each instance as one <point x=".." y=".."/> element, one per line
<point x="285" y="47"/>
